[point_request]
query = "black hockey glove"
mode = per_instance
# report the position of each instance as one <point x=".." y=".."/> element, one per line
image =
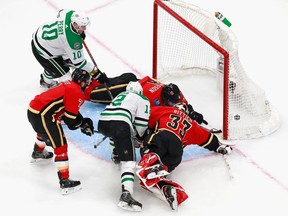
<point x="198" y="117"/>
<point x="87" y="126"/>
<point x="190" y="108"/>
<point x="101" y="77"/>
<point x="83" y="35"/>
<point x="68" y="63"/>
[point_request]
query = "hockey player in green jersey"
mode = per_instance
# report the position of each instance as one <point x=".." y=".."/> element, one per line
<point x="58" y="45"/>
<point x="124" y="121"/>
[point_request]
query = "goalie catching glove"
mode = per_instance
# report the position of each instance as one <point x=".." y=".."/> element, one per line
<point x="198" y="117"/>
<point x="87" y="126"/>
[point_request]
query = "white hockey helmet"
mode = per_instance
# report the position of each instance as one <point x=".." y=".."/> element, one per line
<point x="134" y="86"/>
<point x="80" y="18"/>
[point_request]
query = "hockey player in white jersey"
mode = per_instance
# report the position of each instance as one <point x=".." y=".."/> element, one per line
<point x="57" y="46"/>
<point x="124" y="121"/>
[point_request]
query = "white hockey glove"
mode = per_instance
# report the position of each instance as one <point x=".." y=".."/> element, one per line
<point x="224" y="149"/>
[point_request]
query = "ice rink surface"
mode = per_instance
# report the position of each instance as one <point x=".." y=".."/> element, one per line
<point x="120" y="38"/>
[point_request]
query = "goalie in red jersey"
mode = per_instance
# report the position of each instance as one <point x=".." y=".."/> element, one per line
<point x="162" y="150"/>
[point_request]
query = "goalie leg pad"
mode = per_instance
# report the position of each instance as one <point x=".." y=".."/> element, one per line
<point x="176" y="191"/>
<point x="148" y="160"/>
<point x="181" y="194"/>
<point x="151" y="170"/>
<point x="156" y="171"/>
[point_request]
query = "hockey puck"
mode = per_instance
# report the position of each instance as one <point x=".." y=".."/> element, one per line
<point x="237" y="117"/>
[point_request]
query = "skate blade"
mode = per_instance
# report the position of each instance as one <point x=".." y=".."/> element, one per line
<point x="40" y="160"/>
<point x="158" y="174"/>
<point x="66" y="191"/>
<point x="125" y="206"/>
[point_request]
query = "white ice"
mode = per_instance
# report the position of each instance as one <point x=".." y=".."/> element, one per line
<point x="120" y="38"/>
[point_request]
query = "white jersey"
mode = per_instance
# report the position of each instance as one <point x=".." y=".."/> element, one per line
<point x="57" y="39"/>
<point x="130" y="107"/>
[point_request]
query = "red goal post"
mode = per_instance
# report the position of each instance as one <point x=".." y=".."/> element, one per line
<point x="188" y="40"/>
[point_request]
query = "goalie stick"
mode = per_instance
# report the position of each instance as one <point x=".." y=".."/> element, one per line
<point x="94" y="62"/>
<point x="211" y="130"/>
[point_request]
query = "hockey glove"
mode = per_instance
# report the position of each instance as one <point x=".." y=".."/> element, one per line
<point x="198" y="117"/>
<point x="83" y="35"/>
<point x="100" y="77"/>
<point x="68" y="63"/>
<point x="224" y="149"/>
<point x="190" y="108"/>
<point x="87" y="126"/>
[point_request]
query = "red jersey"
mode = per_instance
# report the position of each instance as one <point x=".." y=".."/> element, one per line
<point x="178" y="123"/>
<point x="66" y="98"/>
<point x="152" y="90"/>
<point x="94" y="83"/>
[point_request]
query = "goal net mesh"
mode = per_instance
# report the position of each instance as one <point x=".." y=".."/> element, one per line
<point x="189" y="41"/>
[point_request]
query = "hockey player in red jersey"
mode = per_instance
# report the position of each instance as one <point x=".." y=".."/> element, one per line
<point x="162" y="150"/>
<point x="44" y="111"/>
<point x="158" y="93"/>
<point x="97" y="92"/>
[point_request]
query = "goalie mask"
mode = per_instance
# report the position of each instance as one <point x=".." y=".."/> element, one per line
<point x="170" y="94"/>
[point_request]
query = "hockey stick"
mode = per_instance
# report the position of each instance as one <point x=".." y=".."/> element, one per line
<point x="95" y="131"/>
<point x="98" y="143"/>
<point x="94" y="62"/>
<point x="211" y="130"/>
<point x="227" y="164"/>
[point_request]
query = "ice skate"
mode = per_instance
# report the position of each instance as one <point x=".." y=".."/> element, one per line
<point x="41" y="156"/>
<point x="115" y="157"/>
<point x="45" y="84"/>
<point x="127" y="202"/>
<point x="171" y="196"/>
<point x="69" y="186"/>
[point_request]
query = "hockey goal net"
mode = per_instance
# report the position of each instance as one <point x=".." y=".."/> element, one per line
<point x="189" y="41"/>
